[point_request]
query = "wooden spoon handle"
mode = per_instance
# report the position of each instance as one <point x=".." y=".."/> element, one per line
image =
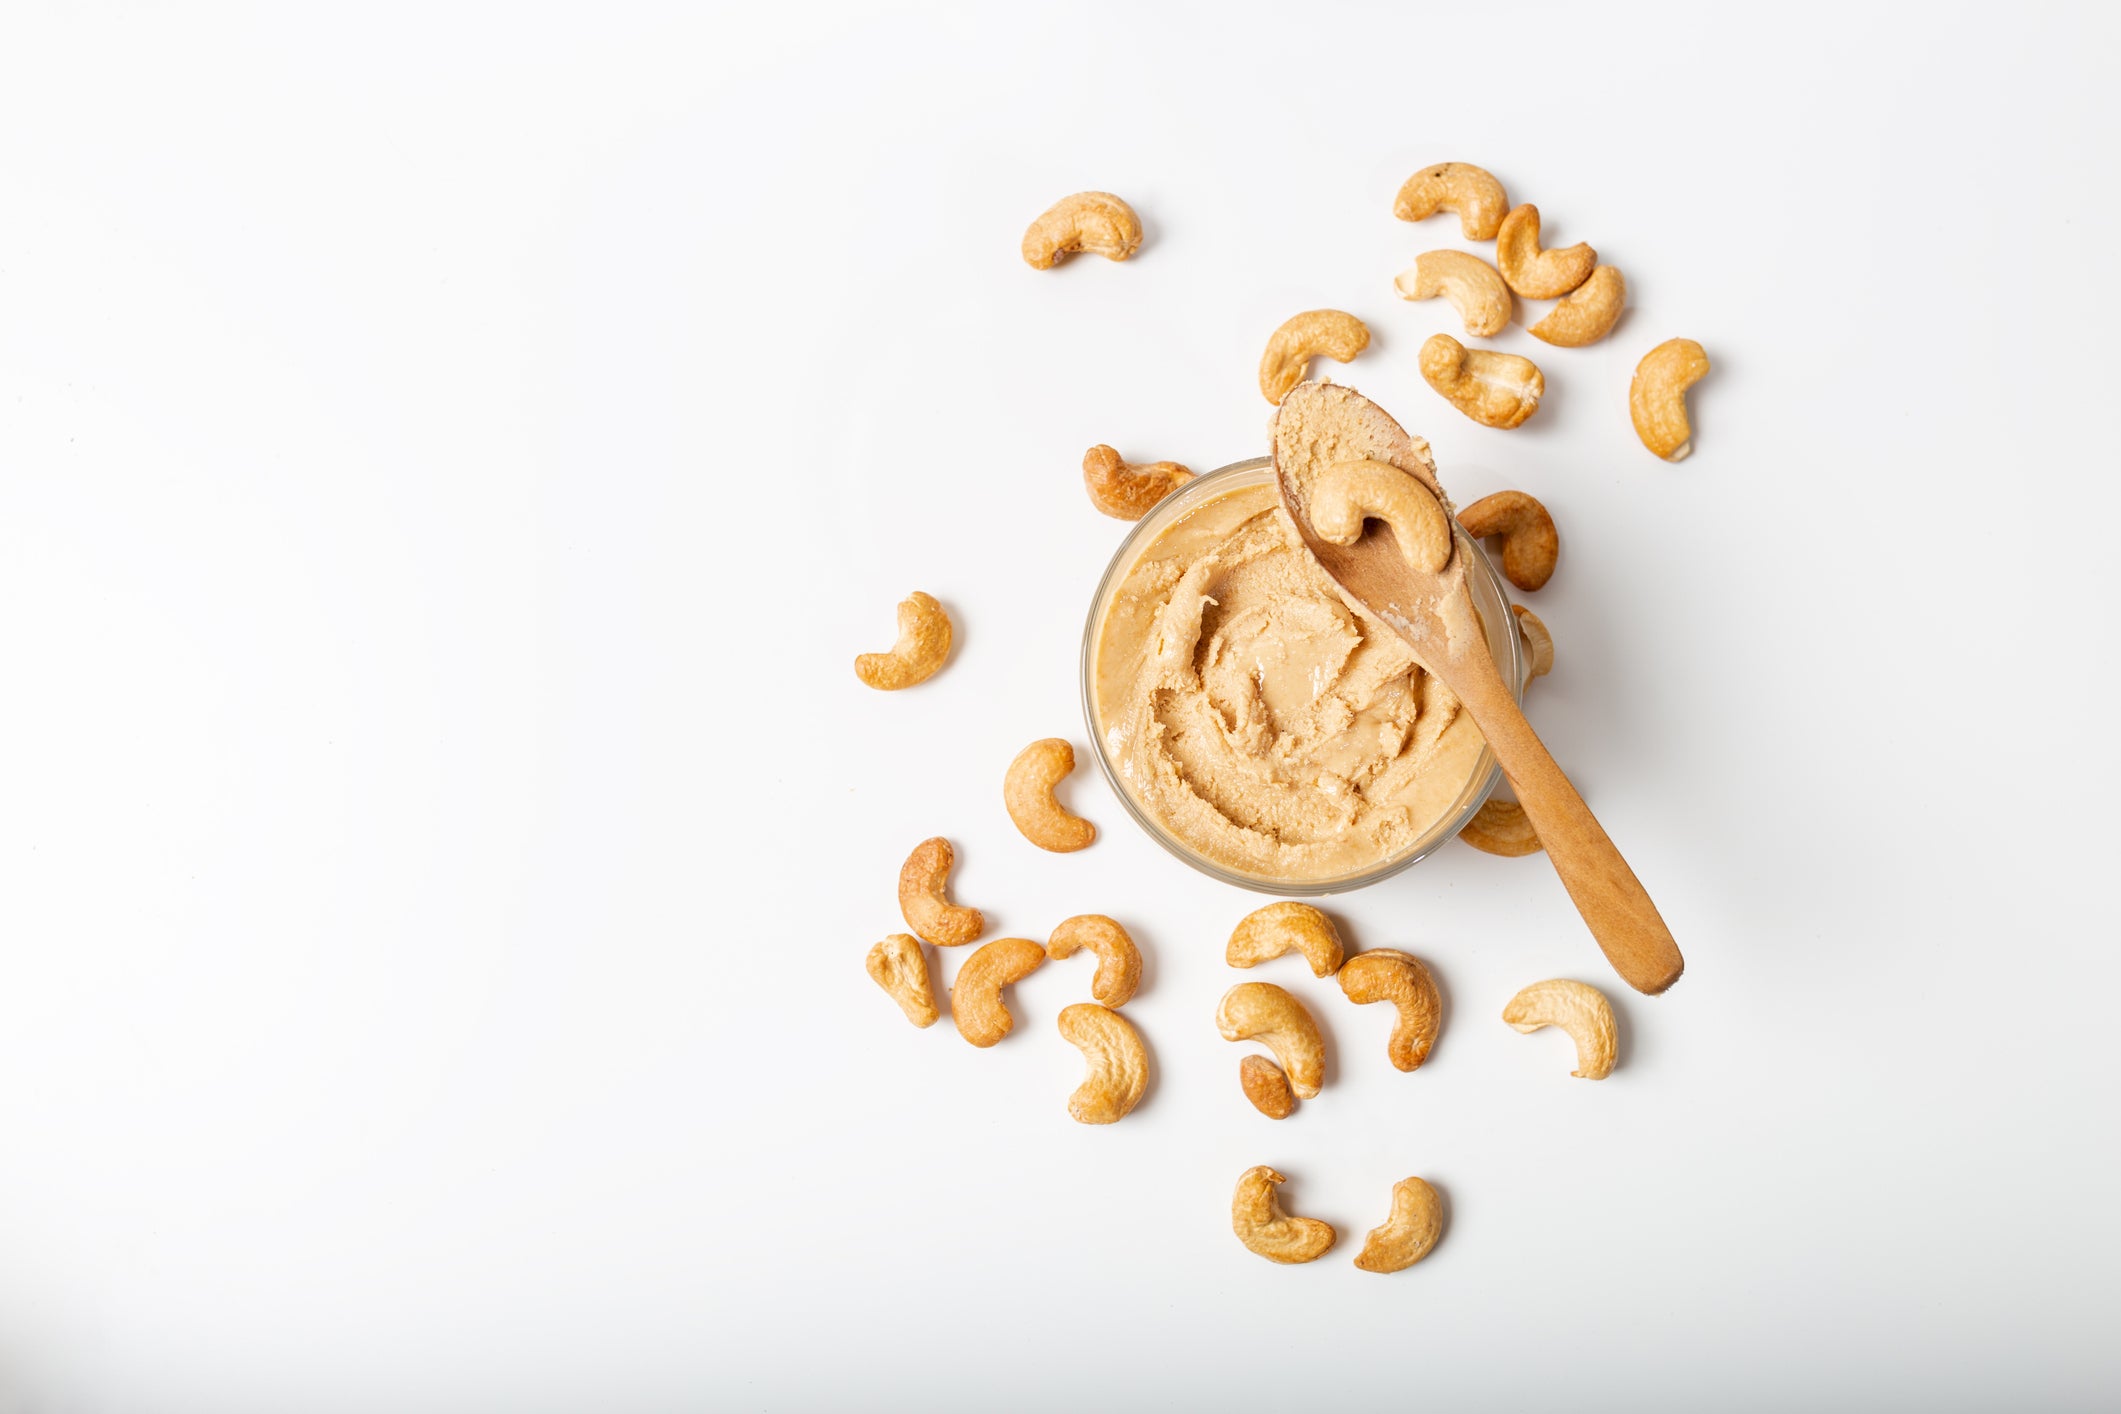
<point x="1607" y="894"/>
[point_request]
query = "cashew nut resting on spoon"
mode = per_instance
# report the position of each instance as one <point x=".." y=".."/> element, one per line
<point x="1257" y="1219"/>
<point x="1409" y="1234"/>
<point x="1096" y="221"/>
<point x="1385" y="975"/>
<point x="1263" y="1012"/>
<point x="1349" y="492"/>
<point x="1285" y="927"/>
<point x="923" y="643"/>
<point x="1577" y="1008"/>
<point x="1119" y="1064"/>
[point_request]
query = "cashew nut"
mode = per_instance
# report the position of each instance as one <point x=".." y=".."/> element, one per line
<point x="1271" y="931"/>
<point x="1577" y="1008"/>
<point x="1657" y="397"/>
<point x="1386" y="975"/>
<point x="921" y="881"/>
<point x="1028" y="792"/>
<point x="900" y="966"/>
<point x="1125" y="490"/>
<point x="923" y="643"/>
<point x="1348" y="492"/>
<point x="1588" y="315"/>
<point x="1408" y="1234"/>
<point x="1257" y="1218"/>
<point x="1316" y="331"/>
<point x="1119" y="1064"/>
<point x="1474" y="288"/>
<point x="1119" y="962"/>
<point x="976" y="996"/>
<point x="1539" y="644"/>
<point x="1494" y="389"/>
<point x="1266" y="1087"/>
<point x="1500" y="827"/>
<point x="1530" y="544"/>
<point x="1454" y="186"/>
<point x="1263" y="1012"/>
<point x="1096" y="221"/>
<point x="1536" y="273"/>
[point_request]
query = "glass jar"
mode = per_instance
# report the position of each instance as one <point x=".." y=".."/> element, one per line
<point x="1490" y="599"/>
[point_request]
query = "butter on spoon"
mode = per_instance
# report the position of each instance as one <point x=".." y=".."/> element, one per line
<point x="1321" y="426"/>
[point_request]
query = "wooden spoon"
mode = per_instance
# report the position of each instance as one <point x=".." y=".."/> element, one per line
<point x="1320" y="424"/>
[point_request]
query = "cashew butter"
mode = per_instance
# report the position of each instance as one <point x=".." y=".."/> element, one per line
<point x="1257" y="716"/>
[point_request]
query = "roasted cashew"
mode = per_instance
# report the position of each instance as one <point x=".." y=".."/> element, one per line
<point x="1454" y="186"/>
<point x="1348" y="492"/>
<point x="1474" y="288"/>
<point x="1500" y="827"/>
<point x="923" y="643"/>
<point x="1266" y="1087"/>
<point x="1577" y="1008"/>
<point x="1289" y="352"/>
<point x="1028" y="793"/>
<point x="1119" y="962"/>
<point x="921" y="881"/>
<point x="1386" y="975"/>
<point x="1657" y="397"/>
<point x="1119" y="1063"/>
<point x="1257" y="1218"/>
<point x="1279" y="927"/>
<point x="1538" y="643"/>
<point x="900" y="966"/>
<point x="1530" y="544"/>
<point x="1125" y="490"/>
<point x="976" y="996"/>
<point x="1588" y="315"/>
<point x="1263" y="1012"/>
<point x="1531" y="271"/>
<point x="1096" y="221"/>
<point x="1494" y="389"/>
<point x="1408" y="1234"/>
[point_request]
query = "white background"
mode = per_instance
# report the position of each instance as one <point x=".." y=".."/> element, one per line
<point x="449" y="457"/>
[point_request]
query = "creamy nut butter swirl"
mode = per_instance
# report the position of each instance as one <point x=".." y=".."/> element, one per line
<point x="1261" y="719"/>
